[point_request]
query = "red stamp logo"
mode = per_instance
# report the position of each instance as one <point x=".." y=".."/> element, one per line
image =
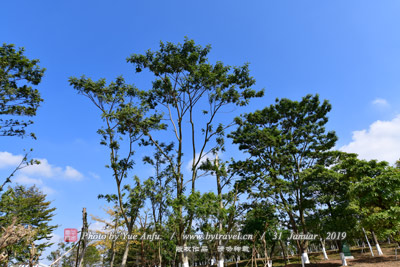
<point x="70" y="235"/>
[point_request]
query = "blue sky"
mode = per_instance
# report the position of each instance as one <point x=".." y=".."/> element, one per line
<point x="347" y="51"/>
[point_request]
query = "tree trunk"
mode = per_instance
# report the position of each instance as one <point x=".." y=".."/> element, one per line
<point x="159" y="254"/>
<point x="324" y="250"/>
<point x="220" y="260"/>
<point x="125" y="256"/>
<point x="32" y="255"/>
<point x="113" y="242"/>
<point x="369" y="245"/>
<point x="304" y="251"/>
<point x="112" y="253"/>
<point x="83" y="240"/>
<point x="378" y="248"/>
<point x="185" y="259"/>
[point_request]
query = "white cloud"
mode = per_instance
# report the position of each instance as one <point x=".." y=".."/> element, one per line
<point x="381" y="102"/>
<point x="35" y="174"/>
<point x="72" y="173"/>
<point x="42" y="169"/>
<point x="381" y="141"/>
<point x="45" y="169"/>
<point x="7" y="159"/>
<point x="25" y="180"/>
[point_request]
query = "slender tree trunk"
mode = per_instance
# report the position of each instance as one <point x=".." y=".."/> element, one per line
<point x="369" y="245"/>
<point x="127" y="244"/>
<point x="112" y="253"/>
<point x="378" y="247"/>
<point x="324" y="250"/>
<point x="113" y="244"/>
<point x="159" y="254"/>
<point x="126" y="252"/>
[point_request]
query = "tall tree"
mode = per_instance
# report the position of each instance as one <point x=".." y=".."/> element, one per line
<point x="284" y="140"/>
<point x="123" y="119"/>
<point x="191" y="92"/>
<point x="31" y="209"/>
<point x="17" y="98"/>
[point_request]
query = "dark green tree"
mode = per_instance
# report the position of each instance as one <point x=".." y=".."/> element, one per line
<point x="376" y="197"/>
<point x="283" y="141"/>
<point x="30" y="209"/>
<point x="331" y="188"/>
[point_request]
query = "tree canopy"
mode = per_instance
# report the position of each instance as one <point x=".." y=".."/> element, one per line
<point x="17" y="96"/>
